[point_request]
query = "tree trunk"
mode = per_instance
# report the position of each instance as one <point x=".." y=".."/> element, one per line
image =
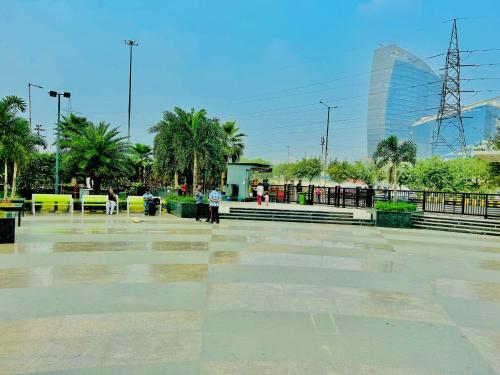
<point x="96" y="185"/>
<point x="395" y="183"/>
<point x="176" y="180"/>
<point x="195" y="172"/>
<point x="5" y="180"/>
<point x="222" y="178"/>
<point x="14" y="181"/>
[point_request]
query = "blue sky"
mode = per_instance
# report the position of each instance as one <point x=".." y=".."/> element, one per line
<point x="264" y="64"/>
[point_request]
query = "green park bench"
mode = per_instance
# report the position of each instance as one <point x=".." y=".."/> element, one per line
<point x="95" y="201"/>
<point x="51" y="202"/>
<point x="135" y="203"/>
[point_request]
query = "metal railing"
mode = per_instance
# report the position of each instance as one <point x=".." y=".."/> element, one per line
<point x="474" y="204"/>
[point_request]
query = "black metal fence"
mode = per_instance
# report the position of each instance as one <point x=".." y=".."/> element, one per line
<point x="474" y="204"/>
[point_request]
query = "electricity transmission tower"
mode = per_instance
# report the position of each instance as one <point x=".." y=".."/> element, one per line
<point x="39" y="129"/>
<point x="450" y="129"/>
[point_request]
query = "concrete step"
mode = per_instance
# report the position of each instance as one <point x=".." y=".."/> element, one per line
<point x="457" y="224"/>
<point x="291" y="214"/>
<point x="457" y="221"/>
<point x="297" y="219"/>
<point x="262" y="211"/>
<point x="470" y="230"/>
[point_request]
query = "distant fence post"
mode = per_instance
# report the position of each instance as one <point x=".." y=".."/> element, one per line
<point x="369" y="197"/>
<point x="328" y="193"/>
<point x="357" y="196"/>
<point x="463" y="203"/>
<point x="337" y="196"/>
<point x="310" y="194"/>
<point x="486" y="207"/>
<point x="423" y="200"/>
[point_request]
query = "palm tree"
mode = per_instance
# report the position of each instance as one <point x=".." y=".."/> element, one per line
<point x="20" y="148"/>
<point x="71" y="126"/>
<point x="9" y="107"/>
<point x="100" y="153"/>
<point x="171" y="149"/>
<point x="390" y="152"/>
<point x="141" y="155"/>
<point x="233" y="145"/>
<point x="188" y="142"/>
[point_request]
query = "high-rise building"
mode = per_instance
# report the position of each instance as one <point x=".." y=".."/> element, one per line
<point x="403" y="88"/>
<point x="480" y="120"/>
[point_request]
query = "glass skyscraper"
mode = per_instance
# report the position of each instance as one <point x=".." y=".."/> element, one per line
<point x="403" y="88"/>
<point x="480" y="120"/>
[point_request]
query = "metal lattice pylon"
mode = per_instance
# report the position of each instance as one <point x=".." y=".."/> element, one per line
<point x="450" y="129"/>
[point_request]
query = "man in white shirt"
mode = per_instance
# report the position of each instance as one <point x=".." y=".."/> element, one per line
<point x="214" y="197"/>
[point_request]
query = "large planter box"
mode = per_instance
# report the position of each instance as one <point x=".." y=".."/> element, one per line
<point x="186" y="210"/>
<point x="7" y="228"/>
<point x="393" y="219"/>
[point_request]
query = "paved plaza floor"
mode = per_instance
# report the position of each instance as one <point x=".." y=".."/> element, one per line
<point x="104" y="295"/>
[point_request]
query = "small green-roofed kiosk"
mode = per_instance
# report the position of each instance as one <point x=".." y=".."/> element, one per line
<point x="239" y="176"/>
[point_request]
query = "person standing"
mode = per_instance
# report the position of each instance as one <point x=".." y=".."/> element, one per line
<point x="184" y="188"/>
<point x="260" y="193"/>
<point x="318" y="194"/>
<point x="299" y="186"/>
<point x="214" y="197"/>
<point x="198" y="196"/>
<point x="111" y="200"/>
<point x="266" y="191"/>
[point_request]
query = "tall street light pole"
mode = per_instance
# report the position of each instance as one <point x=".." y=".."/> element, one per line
<point x="130" y="43"/>
<point x="58" y="95"/>
<point x="326" y="138"/>
<point x="29" y="99"/>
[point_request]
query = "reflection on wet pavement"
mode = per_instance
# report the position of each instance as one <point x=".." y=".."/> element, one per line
<point x="134" y="273"/>
<point x="468" y="289"/>
<point x="108" y="296"/>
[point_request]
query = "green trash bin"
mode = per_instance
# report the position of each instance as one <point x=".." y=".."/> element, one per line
<point x="302" y="198"/>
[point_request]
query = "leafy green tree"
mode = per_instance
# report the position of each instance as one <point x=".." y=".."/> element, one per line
<point x="38" y="172"/>
<point x="244" y="159"/>
<point x="392" y="153"/>
<point x="339" y="171"/>
<point x="366" y="173"/>
<point x="142" y="158"/>
<point x="357" y="171"/>
<point x="98" y="152"/>
<point x="308" y="168"/>
<point x="285" y="170"/>
<point x="459" y="175"/>
<point x="494" y="168"/>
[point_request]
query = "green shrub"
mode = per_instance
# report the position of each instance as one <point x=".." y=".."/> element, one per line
<point x="395" y="206"/>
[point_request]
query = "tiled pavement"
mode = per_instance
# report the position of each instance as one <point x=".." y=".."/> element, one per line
<point x="103" y="295"/>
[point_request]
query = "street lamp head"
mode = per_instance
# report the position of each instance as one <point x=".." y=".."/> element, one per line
<point x="53" y="93"/>
<point x="67" y="95"/>
<point x="132" y="43"/>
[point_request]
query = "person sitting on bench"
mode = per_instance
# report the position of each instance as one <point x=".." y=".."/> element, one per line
<point x="148" y="199"/>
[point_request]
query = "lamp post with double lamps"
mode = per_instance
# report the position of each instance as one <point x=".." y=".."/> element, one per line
<point x="58" y="95"/>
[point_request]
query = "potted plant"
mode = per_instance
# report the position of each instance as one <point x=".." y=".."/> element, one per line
<point x="394" y="214"/>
